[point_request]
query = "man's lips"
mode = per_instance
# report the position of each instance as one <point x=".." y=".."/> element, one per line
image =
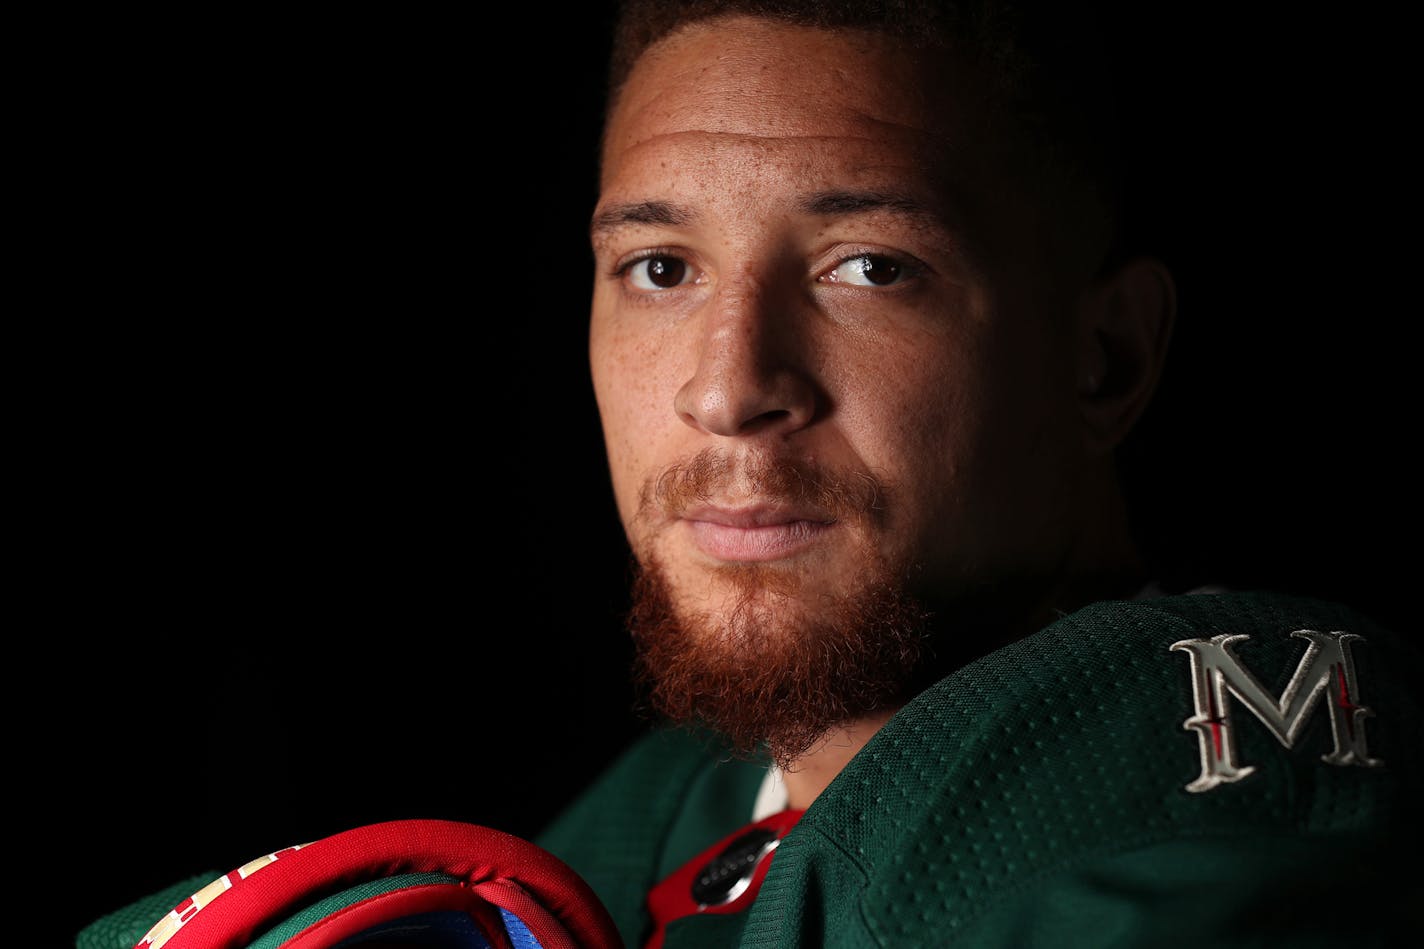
<point x="754" y="533"/>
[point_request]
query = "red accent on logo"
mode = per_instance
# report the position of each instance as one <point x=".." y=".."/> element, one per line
<point x="1344" y="699"/>
<point x="1215" y="722"/>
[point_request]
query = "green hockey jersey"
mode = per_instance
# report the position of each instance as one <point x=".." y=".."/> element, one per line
<point x="1234" y="769"/>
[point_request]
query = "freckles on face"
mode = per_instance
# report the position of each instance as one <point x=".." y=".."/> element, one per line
<point x="630" y="382"/>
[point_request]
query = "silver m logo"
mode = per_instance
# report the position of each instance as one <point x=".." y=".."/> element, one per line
<point x="1325" y="669"/>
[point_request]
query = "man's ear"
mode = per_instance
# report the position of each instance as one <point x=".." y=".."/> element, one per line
<point x="1124" y="323"/>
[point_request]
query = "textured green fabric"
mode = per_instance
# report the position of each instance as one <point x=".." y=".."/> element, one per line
<point x="122" y="929"/>
<point x="1220" y="891"/>
<point x="1037" y="797"/>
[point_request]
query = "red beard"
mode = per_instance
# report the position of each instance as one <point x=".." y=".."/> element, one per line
<point x="772" y="672"/>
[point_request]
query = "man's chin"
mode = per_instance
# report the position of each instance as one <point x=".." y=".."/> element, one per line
<point x="768" y="656"/>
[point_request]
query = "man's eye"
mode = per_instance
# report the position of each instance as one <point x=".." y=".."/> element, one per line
<point x="867" y="270"/>
<point x="658" y="273"/>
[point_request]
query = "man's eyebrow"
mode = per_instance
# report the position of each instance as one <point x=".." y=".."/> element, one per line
<point x="834" y="203"/>
<point x="642" y="212"/>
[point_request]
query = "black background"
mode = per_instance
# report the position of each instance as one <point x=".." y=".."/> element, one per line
<point x="325" y="530"/>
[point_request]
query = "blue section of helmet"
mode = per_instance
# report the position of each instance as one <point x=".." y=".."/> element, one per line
<point x="519" y="935"/>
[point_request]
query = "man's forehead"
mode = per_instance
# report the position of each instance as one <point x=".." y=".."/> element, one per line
<point x="760" y="116"/>
<point x="761" y="80"/>
<point x="729" y="169"/>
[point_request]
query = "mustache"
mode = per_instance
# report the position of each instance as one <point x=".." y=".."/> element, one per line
<point x="714" y="475"/>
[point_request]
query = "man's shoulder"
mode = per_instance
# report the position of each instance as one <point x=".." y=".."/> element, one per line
<point x="1123" y="729"/>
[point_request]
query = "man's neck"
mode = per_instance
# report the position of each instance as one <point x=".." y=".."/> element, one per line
<point x="810" y="774"/>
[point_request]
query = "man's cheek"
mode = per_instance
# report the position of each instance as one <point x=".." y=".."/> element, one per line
<point x="928" y="435"/>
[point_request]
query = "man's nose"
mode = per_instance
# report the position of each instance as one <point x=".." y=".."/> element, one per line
<point x="752" y="371"/>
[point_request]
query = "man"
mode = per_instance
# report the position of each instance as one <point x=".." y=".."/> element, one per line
<point x="866" y="333"/>
<point x="864" y="339"/>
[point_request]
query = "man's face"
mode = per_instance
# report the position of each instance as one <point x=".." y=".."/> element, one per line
<point x="823" y="340"/>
